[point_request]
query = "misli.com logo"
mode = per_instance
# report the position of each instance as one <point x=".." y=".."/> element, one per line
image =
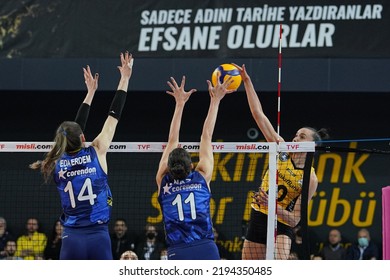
<point x="249" y="147"/>
<point x="33" y="146"/>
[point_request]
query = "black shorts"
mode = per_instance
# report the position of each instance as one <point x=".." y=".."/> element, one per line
<point x="257" y="228"/>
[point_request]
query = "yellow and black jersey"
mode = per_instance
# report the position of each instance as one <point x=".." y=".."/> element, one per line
<point x="290" y="180"/>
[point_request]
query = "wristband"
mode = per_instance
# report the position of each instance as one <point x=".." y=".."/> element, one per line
<point x="82" y="115"/>
<point x="117" y="104"/>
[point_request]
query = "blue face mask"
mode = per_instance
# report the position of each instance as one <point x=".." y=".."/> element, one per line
<point x="363" y="242"/>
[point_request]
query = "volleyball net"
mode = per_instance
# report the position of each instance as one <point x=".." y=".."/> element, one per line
<point x="239" y="169"/>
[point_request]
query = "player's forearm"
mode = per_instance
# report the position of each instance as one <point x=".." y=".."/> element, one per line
<point x="209" y="124"/>
<point x="174" y="129"/>
<point x="123" y="83"/>
<point x="89" y="97"/>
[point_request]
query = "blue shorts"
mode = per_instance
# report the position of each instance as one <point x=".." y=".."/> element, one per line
<point x="204" y="249"/>
<point x="89" y="243"/>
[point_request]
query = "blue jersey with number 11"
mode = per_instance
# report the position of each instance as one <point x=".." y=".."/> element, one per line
<point x="83" y="187"/>
<point x="185" y="206"/>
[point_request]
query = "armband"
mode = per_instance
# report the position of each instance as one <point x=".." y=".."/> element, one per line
<point x="117" y="104"/>
<point x="82" y="115"/>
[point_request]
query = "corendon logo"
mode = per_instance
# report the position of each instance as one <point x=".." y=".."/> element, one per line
<point x="2" y="146"/>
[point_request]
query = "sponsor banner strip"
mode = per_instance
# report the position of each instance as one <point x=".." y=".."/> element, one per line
<point x="150" y="147"/>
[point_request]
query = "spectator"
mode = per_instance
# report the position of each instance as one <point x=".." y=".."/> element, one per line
<point x="53" y="247"/>
<point x="5" y="235"/>
<point x="364" y="248"/>
<point x="9" y="251"/>
<point x="121" y="240"/>
<point x="334" y="250"/>
<point x="164" y="254"/>
<point x="150" y="248"/>
<point x="129" y="255"/>
<point x="31" y="246"/>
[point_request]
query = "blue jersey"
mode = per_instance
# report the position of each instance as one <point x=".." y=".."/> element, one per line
<point x="185" y="206"/>
<point x="83" y="187"/>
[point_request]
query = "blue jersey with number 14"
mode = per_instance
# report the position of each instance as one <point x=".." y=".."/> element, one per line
<point x="185" y="206"/>
<point x="83" y="187"/>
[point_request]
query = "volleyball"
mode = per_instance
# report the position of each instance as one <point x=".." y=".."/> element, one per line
<point x="226" y="70"/>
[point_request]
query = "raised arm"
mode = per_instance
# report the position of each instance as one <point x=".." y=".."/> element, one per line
<point x="256" y="109"/>
<point x="91" y="81"/>
<point x="206" y="158"/>
<point x="103" y="140"/>
<point x="181" y="97"/>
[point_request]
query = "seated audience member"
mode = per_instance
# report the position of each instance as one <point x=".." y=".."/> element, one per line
<point x="129" y="255"/>
<point x="364" y="248"/>
<point x="53" y="247"/>
<point x="9" y="251"/>
<point x="5" y="235"/>
<point x="121" y="239"/>
<point x="31" y="245"/>
<point x="333" y="250"/>
<point x="164" y="254"/>
<point x="150" y="247"/>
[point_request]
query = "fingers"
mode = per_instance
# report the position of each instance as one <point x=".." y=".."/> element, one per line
<point x="171" y="85"/>
<point x="174" y="82"/>
<point x="126" y="59"/>
<point x="238" y="67"/>
<point x="130" y="64"/>
<point x="228" y="82"/>
<point x="183" y="82"/>
<point x="192" y="91"/>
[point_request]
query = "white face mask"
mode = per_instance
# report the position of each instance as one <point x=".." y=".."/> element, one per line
<point x="164" y="258"/>
<point x="363" y="242"/>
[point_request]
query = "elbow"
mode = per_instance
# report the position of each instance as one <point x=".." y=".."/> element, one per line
<point x="256" y="113"/>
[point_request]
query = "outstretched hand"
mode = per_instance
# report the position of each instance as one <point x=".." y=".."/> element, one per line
<point x="178" y="92"/>
<point x="126" y="68"/>
<point x="91" y="81"/>
<point x="220" y="90"/>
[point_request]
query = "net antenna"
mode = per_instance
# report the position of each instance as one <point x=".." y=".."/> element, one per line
<point x="273" y="183"/>
<point x="279" y="76"/>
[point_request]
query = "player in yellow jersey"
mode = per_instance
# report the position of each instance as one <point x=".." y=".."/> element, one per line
<point x="289" y="185"/>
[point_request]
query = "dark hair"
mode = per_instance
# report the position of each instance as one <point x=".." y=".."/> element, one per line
<point x="67" y="139"/>
<point x="179" y="163"/>
<point x="318" y="135"/>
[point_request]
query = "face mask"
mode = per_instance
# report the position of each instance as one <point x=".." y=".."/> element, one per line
<point x="151" y="235"/>
<point x="363" y="242"/>
<point x="164" y="258"/>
